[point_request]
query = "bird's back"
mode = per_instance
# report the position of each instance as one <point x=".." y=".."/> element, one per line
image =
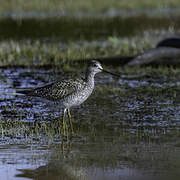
<point x="57" y="90"/>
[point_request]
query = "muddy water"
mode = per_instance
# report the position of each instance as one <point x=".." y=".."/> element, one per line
<point x="127" y="129"/>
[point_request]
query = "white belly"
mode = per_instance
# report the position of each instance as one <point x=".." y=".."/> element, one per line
<point x="77" y="98"/>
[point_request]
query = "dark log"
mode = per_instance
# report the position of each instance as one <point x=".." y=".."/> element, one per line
<point x="157" y="56"/>
<point x="170" y="42"/>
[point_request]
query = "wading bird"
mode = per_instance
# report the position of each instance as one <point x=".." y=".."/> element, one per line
<point x="68" y="92"/>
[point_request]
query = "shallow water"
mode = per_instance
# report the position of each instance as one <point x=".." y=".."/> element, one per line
<point x="128" y="129"/>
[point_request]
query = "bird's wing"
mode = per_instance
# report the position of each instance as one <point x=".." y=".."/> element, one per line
<point x="59" y="89"/>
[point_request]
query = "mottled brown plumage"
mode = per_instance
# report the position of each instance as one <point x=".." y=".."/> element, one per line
<point x="58" y="90"/>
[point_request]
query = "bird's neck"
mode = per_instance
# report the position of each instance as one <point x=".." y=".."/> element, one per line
<point x="90" y="77"/>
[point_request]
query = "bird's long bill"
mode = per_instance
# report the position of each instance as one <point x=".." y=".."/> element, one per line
<point x="118" y="75"/>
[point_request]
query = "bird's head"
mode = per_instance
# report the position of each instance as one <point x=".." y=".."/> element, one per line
<point x="95" y="66"/>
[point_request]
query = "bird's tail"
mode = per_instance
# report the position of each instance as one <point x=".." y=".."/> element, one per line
<point x="26" y="91"/>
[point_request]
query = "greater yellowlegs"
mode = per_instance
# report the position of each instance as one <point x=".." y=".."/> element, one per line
<point x="68" y="92"/>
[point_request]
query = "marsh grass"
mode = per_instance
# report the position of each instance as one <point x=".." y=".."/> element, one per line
<point x="36" y="52"/>
<point x="15" y="127"/>
<point x="80" y="5"/>
<point x="28" y="132"/>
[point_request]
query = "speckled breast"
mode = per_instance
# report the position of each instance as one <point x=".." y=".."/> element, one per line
<point x="77" y="98"/>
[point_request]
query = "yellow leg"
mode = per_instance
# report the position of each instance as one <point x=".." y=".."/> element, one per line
<point x="63" y="123"/>
<point x="70" y="122"/>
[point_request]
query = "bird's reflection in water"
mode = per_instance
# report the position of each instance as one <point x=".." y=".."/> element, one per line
<point x="57" y="168"/>
<point x="65" y="148"/>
